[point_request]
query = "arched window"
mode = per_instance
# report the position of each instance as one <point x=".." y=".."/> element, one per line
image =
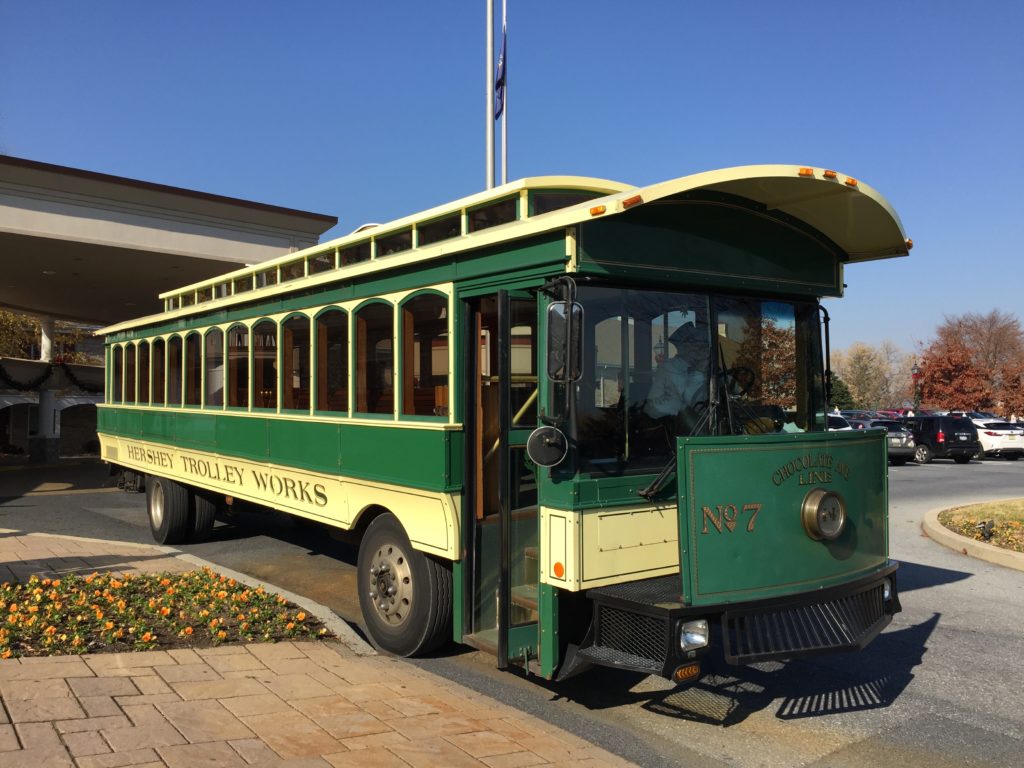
<point x="332" y="361"/>
<point x="295" y="364"/>
<point x="174" y="371"/>
<point x="117" y="385"/>
<point x="238" y="366"/>
<point x="425" y="356"/>
<point x="214" y="396"/>
<point x="129" y="373"/>
<point x="264" y="364"/>
<point x="144" y="395"/>
<point x="193" y="369"/>
<point x="159" y="369"/>
<point x="374" y="361"/>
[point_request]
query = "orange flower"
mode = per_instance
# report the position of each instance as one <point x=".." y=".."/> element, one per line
<point x="165" y="582"/>
<point x="222" y="594"/>
<point x="222" y="634"/>
<point x="50" y="630"/>
<point x="165" y="611"/>
<point x="301" y="616"/>
<point x="6" y="654"/>
<point x="146" y="637"/>
<point x="290" y="626"/>
<point x="109" y="625"/>
<point x="187" y="631"/>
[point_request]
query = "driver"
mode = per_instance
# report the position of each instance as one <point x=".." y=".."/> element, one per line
<point x="681" y="381"/>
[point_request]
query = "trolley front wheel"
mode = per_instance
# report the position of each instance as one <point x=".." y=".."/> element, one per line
<point x="405" y="595"/>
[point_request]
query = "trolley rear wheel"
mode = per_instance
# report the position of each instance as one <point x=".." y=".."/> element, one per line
<point x="167" y="505"/>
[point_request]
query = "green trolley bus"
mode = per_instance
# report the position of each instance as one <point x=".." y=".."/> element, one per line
<point x="570" y="421"/>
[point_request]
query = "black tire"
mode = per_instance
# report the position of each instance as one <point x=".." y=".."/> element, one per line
<point x="167" y="505"/>
<point x="1012" y="456"/>
<point x="962" y="459"/>
<point x="416" y="618"/>
<point x="922" y="454"/>
<point x="202" y="515"/>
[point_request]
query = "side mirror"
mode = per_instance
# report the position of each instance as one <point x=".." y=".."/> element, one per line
<point x="565" y="341"/>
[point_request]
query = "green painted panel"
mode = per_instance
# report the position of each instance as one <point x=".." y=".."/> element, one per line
<point x="200" y="429"/>
<point x="430" y="459"/>
<point x="243" y="437"/>
<point x="741" y="531"/>
<point x="712" y="244"/>
<point x="314" y="445"/>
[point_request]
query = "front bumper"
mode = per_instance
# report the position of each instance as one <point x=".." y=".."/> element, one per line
<point x="636" y="626"/>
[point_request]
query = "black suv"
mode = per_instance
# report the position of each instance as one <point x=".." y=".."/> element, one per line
<point x="943" y="437"/>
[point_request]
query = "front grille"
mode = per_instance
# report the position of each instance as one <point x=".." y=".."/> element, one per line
<point x="632" y="634"/>
<point x="843" y="623"/>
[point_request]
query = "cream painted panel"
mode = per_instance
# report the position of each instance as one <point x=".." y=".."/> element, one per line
<point x="602" y="546"/>
<point x="626" y="544"/>
<point x="429" y="519"/>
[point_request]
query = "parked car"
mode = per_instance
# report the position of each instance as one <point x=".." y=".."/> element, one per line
<point x="899" y="440"/>
<point x="858" y="414"/>
<point x="858" y="423"/>
<point x="943" y="437"/>
<point x="837" y="423"/>
<point x="1001" y="438"/>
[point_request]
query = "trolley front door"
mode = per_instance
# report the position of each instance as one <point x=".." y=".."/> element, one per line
<point x="501" y="510"/>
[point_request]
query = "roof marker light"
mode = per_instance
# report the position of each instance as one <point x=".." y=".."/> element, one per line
<point x="851" y="182"/>
<point x="831" y="175"/>
<point x="629" y="202"/>
<point x="597" y="210"/>
<point x="910" y="243"/>
<point x="806" y="171"/>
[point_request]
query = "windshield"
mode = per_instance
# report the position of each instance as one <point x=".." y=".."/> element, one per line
<point x="658" y="365"/>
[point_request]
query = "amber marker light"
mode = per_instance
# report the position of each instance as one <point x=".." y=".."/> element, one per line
<point x="597" y="210"/>
<point x="910" y="243"/>
<point x="559" y="570"/>
<point x="686" y="672"/>
<point x="831" y="175"/>
<point x="806" y="171"/>
<point x="629" y="202"/>
<point x="851" y="182"/>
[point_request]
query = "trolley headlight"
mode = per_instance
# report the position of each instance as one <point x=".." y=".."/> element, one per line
<point x="823" y="514"/>
<point x="886" y="590"/>
<point x="693" y="634"/>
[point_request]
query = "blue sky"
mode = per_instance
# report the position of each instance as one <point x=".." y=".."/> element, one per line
<point x="371" y="111"/>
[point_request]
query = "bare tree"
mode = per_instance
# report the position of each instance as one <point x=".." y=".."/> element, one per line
<point x="994" y="345"/>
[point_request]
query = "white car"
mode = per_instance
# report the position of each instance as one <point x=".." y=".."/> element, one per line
<point x="838" y="423"/>
<point x="1001" y="438"/>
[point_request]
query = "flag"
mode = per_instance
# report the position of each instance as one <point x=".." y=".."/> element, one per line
<point x="499" y="80"/>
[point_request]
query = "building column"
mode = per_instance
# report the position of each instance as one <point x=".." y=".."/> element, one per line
<point x="45" y="445"/>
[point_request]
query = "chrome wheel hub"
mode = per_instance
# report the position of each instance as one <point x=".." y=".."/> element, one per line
<point x="156" y="505"/>
<point x="391" y="587"/>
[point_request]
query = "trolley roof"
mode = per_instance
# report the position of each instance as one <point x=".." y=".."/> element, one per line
<point x="852" y="214"/>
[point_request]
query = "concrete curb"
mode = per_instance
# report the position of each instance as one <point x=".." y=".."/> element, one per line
<point x="937" y="532"/>
<point x="339" y="627"/>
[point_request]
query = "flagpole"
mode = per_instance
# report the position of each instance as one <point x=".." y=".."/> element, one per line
<point x="504" y="112"/>
<point x="489" y="79"/>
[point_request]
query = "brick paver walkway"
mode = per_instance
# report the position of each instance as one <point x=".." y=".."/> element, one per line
<point x="292" y="703"/>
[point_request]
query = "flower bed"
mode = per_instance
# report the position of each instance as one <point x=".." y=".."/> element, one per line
<point x="107" y="613"/>
<point x="998" y="523"/>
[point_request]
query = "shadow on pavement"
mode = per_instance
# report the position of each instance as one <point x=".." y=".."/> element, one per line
<point x="913" y="576"/>
<point x="80" y="475"/>
<point x="870" y="679"/>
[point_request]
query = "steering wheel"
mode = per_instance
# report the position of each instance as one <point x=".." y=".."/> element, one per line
<point x="739" y="380"/>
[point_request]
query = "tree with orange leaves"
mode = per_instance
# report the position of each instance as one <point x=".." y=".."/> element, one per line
<point x="950" y="378"/>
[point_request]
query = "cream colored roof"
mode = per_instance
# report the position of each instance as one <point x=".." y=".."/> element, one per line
<point x="852" y="214"/>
